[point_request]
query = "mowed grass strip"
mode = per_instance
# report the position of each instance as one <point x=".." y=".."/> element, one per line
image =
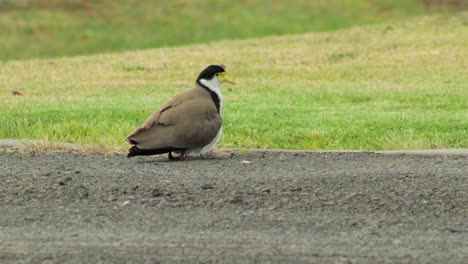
<point x="392" y="86"/>
<point x="55" y="28"/>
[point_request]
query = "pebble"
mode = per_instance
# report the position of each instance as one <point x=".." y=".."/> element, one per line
<point x="207" y="186"/>
<point x="236" y="200"/>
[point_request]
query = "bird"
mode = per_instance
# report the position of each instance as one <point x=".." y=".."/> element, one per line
<point x="190" y="122"/>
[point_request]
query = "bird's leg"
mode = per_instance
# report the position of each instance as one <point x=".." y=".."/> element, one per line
<point x="172" y="158"/>
<point x="181" y="157"/>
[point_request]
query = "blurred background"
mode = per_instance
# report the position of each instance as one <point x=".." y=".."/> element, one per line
<point x="53" y="28"/>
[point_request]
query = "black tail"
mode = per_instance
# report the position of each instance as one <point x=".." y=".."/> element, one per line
<point x="136" y="151"/>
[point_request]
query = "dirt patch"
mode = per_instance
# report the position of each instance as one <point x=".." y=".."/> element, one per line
<point x="255" y="206"/>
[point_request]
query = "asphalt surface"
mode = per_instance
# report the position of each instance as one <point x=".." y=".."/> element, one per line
<point x="263" y="206"/>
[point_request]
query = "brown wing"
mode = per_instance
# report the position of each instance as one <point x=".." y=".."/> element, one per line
<point x="153" y="119"/>
<point x="189" y="120"/>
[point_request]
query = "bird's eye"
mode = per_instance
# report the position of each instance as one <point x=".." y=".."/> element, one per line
<point x="217" y="74"/>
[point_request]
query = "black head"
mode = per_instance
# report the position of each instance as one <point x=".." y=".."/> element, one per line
<point x="210" y="72"/>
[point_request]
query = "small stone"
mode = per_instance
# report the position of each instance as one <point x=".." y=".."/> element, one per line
<point x="296" y="189"/>
<point x="201" y="202"/>
<point x="236" y="200"/>
<point x="246" y="162"/>
<point x="156" y="193"/>
<point x="67" y="179"/>
<point x="82" y="192"/>
<point x="207" y="186"/>
<point x="163" y="203"/>
<point x="272" y="208"/>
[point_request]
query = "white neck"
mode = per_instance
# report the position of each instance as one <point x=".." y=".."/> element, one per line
<point x="214" y="85"/>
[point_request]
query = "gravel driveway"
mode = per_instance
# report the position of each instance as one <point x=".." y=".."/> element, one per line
<point x="260" y="206"/>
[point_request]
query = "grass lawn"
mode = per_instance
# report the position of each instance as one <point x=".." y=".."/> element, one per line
<point x="392" y="86"/>
<point x="54" y="28"/>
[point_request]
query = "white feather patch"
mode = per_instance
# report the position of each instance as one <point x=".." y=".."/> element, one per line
<point x="214" y="85"/>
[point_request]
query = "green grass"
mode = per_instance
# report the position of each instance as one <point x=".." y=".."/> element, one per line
<point x="393" y="86"/>
<point x="54" y="28"/>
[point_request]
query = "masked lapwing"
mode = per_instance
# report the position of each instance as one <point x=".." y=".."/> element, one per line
<point x="190" y="122"/>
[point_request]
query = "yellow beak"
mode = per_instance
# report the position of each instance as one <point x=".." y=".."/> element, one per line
<point x="224" y="78"/>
